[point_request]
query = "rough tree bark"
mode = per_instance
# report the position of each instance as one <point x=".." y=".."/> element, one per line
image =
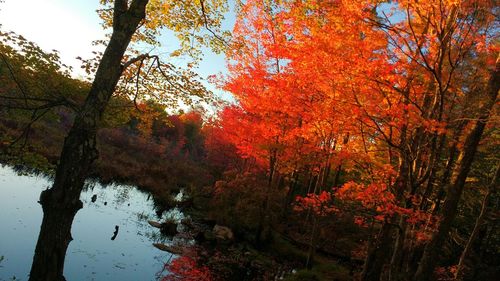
<point x="61" y="202"/>
<point x="464" y="162"/>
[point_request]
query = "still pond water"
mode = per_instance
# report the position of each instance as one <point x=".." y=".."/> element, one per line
<point x="92" y="255"/>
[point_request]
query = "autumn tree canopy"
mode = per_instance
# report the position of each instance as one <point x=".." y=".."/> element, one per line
<point x="120" y="70"/>
<point x="372" y="122"/>
<point x="386" y="102"/>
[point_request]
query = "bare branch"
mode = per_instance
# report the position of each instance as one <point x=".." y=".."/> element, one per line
<point x="14" y="78"/>
<point x="207" y="26"/>
<point x="24" y="135"/>
<point x="140" y="58"/>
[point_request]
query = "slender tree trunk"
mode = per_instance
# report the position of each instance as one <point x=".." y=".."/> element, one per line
<point x="61" y="203"/>
<point x="312" y="245"/>
<point x="264" y="216"/>
<point x="397" y="255"/>
<point x="445" y="178"/>
<point x="412" y="255"/>
<point x="318" y="189"/>
<point x="434" y="166"/>
<point x="339" y="168"/>
<point x="287" y="203"/>
<point x="378" y="254"/>
<point x="479" y="221"/>
<point x="431" y="252"/>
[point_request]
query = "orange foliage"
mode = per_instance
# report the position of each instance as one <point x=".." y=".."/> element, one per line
<point x="351" y="86"/>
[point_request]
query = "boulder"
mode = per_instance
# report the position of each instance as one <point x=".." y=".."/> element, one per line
<point x="223" y="232"/>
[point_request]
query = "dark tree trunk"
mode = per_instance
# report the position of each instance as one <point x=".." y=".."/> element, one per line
<point x="397" y="254"/>
<point x="464" y="162"/>
<point x="479" y="223"/>
<point x="54" y="237"/>
<point x="378" y="255"/>
<point x="261" y="231"/>
<point x="312" y="246"/>
<point x="287" y="202"/>
<point x="61" y="203"/>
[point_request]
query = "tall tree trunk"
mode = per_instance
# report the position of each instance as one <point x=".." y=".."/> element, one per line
<point x="339" y="168"/>
<point x="433" y="168"/>
<point x="378" y="254"/>
<point x="61" y="203"/>
<point x="397" y="254"/>
<point x="479" y="221"/>
<point x="428" y="261"/>
<point x="260" y="235"/>
<point x="312" y="245"/>
<point x="287" y="202"/>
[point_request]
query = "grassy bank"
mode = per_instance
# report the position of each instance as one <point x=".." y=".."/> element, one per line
<point x="160" y="165"/>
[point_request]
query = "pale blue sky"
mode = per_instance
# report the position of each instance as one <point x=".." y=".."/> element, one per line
<point x="71" y="26"/>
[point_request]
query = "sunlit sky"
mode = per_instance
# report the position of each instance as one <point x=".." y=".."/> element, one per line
<point x="70" y="26"/>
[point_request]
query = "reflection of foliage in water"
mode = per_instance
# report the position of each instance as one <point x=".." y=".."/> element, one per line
<point x="146" y="230"/>
<point x="174" y="215"/>
<point x="2" y="258"/>
<point x="142" y="217"/>
<point x="89" y="185"/>
<point x="181" y="196"/>
<point x="23" y="170"/>
<point x="156" y="236"/>
<point x="185" y="268"/>
<point x="131" y="219"/>
<point x="122" y="194"/>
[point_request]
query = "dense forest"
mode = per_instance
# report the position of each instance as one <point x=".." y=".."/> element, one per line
<point x="362" y="143"/>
